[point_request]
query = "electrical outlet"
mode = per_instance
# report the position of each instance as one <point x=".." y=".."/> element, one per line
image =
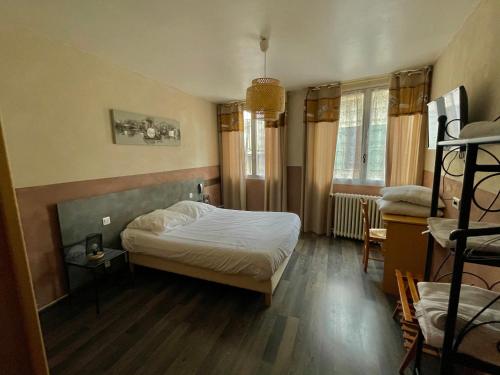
<point x="455" y="203"/>
<point x="106" y="220"/>
<point x="191" y="195"/>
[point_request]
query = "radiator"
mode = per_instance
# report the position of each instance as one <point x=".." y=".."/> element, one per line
<point x="347" y="216"/>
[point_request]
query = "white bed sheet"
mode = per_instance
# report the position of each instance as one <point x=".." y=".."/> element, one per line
<point x="227" y="241"/>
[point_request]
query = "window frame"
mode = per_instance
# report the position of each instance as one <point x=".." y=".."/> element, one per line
<point x="253" y="135"/>
<point x="365" y="125"/>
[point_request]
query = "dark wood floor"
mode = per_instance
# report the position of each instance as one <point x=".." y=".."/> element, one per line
<point x="327" y="317"/>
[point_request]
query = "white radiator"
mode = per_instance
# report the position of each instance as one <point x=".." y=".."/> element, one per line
<point x="347" y="215"/>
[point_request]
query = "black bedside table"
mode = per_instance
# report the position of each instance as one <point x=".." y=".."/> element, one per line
<point x="97" y="266"/>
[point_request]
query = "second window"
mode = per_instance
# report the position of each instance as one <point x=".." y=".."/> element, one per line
<point x="361" y="140"/>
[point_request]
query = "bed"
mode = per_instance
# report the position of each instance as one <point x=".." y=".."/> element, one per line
<point x="245" y="249"/>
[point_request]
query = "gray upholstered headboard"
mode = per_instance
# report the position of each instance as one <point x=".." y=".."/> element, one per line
<point x="80" y="217"/>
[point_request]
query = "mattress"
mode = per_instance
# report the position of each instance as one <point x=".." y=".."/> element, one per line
<point x="227" y="241"/>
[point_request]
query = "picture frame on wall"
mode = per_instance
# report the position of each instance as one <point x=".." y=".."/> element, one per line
<point x="137" y="129"/>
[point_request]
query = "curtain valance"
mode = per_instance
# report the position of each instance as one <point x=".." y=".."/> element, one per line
<point x="231" y="117"/>
<point x="323" y="104"/>
<point x="409" y="92"/>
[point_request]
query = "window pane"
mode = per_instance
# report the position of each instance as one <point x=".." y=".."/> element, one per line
<point x="258" y="144"/>
<point x="260" y="148"/>
<point x="248" y="142"/>
<point x="348" y="153"/>
<point x="377" y="130"/>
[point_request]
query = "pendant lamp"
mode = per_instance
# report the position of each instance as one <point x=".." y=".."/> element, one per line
<point x="265" y="98"/>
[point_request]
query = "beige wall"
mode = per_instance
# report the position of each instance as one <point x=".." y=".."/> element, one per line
<point x="472" y="59"/>
<point x="55" y="102"/>
<point x="54" y="105"/>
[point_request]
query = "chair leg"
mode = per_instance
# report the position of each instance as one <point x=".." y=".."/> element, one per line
<point x="366" y="254"/>
<point x="410" y="355"/>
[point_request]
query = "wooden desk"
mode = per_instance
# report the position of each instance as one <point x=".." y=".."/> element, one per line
<point x="405" y="248"/>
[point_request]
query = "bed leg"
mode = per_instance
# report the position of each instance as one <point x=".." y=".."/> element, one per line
<point x="268" y="297"/>
<point x="131" y="267"/>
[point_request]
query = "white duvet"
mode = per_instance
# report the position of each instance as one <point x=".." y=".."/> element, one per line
<point x="228" y="241"/>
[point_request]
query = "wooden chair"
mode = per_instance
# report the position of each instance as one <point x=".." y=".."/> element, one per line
<point x="376" y="235"/>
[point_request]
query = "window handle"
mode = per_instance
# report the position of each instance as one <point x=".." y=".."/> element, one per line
<point x="364" y="158"/>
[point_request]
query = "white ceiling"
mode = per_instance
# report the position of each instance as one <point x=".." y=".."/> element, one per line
<point x="210" y="48"/>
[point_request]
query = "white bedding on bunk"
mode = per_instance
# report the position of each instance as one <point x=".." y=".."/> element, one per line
<point x="441" y="229"/>
<point x="227" y="241"/>
<point x="432" y="309"/>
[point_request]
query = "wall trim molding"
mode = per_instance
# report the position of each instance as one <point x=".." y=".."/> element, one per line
<point x="132" y="177"/>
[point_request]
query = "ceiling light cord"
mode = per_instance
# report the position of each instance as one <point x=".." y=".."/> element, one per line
<point x="265" y="64"/>
<point x="264" y="45"/>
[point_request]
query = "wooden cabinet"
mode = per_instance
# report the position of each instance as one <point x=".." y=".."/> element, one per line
<point x="404" y="248"/>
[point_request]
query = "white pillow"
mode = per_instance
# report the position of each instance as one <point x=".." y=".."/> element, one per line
<point x="159" y="221"/>
<point x="192" y="209"/>
<point x="404" y="208"/>
<point x="415" y="194"/>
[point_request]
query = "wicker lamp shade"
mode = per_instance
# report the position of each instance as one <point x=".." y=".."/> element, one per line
<point x="266" y="98"/>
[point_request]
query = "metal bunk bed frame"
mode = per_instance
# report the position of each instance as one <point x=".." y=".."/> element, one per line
<point x="449" y="352"/>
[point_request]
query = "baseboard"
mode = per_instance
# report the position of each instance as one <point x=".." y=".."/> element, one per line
<point x="52" y="303"/>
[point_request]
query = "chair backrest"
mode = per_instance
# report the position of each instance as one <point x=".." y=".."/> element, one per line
<point x="366" y="218"/>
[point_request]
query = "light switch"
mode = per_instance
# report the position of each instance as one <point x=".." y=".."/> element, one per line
<point x="106" y="220"/>
<point x="190" y="195"/>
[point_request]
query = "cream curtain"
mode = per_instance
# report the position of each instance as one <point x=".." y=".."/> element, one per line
<point x="275" y="194"/>
<point x="408" y="98"/>
<point x="322" y="116"/>
<point x="231" y="132"/>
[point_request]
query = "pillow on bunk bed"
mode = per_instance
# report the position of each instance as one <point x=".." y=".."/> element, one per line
<point x="480" y="129"/>
<point x="415" y="194"/>
<point x="404" y="208"/>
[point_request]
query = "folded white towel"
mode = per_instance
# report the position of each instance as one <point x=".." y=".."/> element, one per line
<point x="404" y="208"/>
<point x="431" y="313"/>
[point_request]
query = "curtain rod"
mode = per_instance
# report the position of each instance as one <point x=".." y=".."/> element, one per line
<point x="425" y="69"/>
<point x="327" y="85"/>
<point x="233" y="102"/>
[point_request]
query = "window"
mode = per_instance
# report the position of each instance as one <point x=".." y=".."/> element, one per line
<point x="254" y="146"/>
<point x="361" y="140"/>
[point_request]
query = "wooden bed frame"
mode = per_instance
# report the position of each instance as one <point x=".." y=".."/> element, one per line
<point x="241" y="281"/>
<point x="79" y="217"/>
